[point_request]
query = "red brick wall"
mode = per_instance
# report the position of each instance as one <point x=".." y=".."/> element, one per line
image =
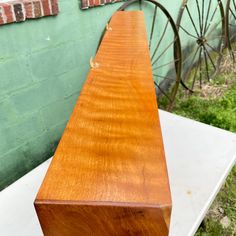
<point x="20" y="10"/>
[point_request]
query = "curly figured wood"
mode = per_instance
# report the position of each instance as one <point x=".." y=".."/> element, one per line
<point x="108" y="175"/>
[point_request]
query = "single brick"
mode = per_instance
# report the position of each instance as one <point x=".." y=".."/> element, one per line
<point x="52" y="61"/>
<point x="54" y="5"/>
<point x="28" y="9"/>
<point x="27" y="100"/>
<point x="15" y="73"/>
<point x="73" y="80"/>
<point x="37" y="9"/>
<point x="8" y="116"/>
<point x="58" y="111"/>
<point x="19" y="13"/>
<point x="91" y="3"/>
<point x="84" y="4"/>
<point x="27" y="127"/>
<point x="37" y="96"/>
<point x="8" y="12"/>
<point x="97" y="3"/>
<point x="51" y="90"/>
<point x="46" y="7"/>
<point x="1" y="15"/>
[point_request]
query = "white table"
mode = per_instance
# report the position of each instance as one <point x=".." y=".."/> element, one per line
<point x="199" y="158"/>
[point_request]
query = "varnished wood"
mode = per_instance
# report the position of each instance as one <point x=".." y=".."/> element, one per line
<point x="108" y="175"/>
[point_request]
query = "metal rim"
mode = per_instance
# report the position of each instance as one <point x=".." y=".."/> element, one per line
<point x="203" y="65"/>
<point x="230" y="25"/>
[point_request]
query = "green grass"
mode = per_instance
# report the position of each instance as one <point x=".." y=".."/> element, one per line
<point x="218" y="111"/>
<point x="226" y="200"/>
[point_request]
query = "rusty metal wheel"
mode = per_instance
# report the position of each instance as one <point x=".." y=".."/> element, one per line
<point x="201" y="26"/>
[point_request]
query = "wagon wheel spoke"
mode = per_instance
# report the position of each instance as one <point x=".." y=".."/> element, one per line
<point x="200" y="75"/>
<point x="163" y="52"/>
<point x="140" y="5"/>
<point x="153" y="26"/>
<point x="203" y="14"/>
<point x="206" y="63"/>
<point x="160" y="40"/>
<point x="196" y="70"/>
<point x="190" y="16"/>
<point x="207" y="15"/>
<point x="209" y="56"/>
<point x="234" y="5"/>
<point x="214" y="49"/>
<point x="209" y="31"/>
<point x="199" y="17"/>
<point x="212" y="17"/>
<point x="166" y="64"/>
<point x="162" y="76"/>
<point x="231" y="11"/>
<point x="188" y="32"/>
<point x="163" y="92"/>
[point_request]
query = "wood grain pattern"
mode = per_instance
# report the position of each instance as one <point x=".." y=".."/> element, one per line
<point x="108" y="175"/>
<point x="101" y="220"/>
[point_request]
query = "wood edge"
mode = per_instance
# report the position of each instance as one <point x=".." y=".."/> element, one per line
<point x="166" y="213"/>
<point x="165" y="209"/>
<point x="164" y="153"/>
<point x="38" y="202"/>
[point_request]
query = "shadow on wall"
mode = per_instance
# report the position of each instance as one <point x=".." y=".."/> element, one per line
<point x="27" y="160"/>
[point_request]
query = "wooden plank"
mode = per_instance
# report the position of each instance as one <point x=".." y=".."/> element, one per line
<point x="108" y="175"/>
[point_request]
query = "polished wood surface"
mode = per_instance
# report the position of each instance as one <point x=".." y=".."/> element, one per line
<point x="108" y="175"/>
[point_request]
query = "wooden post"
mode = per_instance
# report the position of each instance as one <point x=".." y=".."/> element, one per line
<point x="108" y="175"/>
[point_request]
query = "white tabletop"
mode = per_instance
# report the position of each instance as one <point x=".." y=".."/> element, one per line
<point x="199" y="157"/>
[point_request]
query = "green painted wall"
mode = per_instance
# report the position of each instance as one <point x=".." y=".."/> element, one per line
<point x="43" y="64"/>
